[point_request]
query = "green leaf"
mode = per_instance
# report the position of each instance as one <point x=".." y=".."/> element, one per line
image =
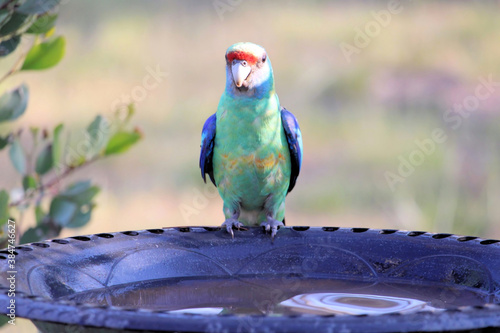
<point x="86" y="196"/>
<point x="5" y="15"/>
<point x="72" y="208"/>
<point x="16" y="21"/>
<point x="17" y="156"/>
<point x="8" y="46"/>
<point x="43" y="24"/>
<point x="78" y="161"/>
<point x="98" y="131"/>
<point x="81" y="193"/>
<point x="29" y="182"/>
<point x="4" y="320"/>
<point x="57" y="145"/>
<point x="37" y="6"/>
<point x="4" y="141"/>
<point x="130" y="113"/>
<point x="62" y="210"/>
<point x="35" y="234"/>
<point x="121" y="142"/>
<point x="34" y="133"/>
<point x="4" y="207"/>
<point x="94" y="128"/>
<point x="76" y="188"/>
<point x="45" y="55"/>
<point x="45" y="160"/>
<point x="39" y="214"/>
<point x="13" y="103"/>
<point x="82" y="217"/>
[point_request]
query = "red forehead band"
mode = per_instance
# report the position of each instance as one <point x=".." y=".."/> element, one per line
<point x="240" y="55"/>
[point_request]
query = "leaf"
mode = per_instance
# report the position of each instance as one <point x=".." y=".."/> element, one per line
<point x="29" y="182"/>
<point x="4" y="320"/>
<point x="57" y="145"/>
<point x="82" y="217"/>
<point x="34" y="133"/>
<point x="5" y="15"/>
<point x="4" y="141"/>
<point x="50" y="33"/>
<point x="76" y="162"/>
<point x="72" y="207"/>
<point x="98" y="131"/>
<point x="62" y="211"/>
<point x="95" y="127"/>
<point x="86" y="196"/>
<point x="43" y="24"/>
<point x="81" y="193"/>
<point x="76" y="188"/>
<point x="45" y="161"/>
<point x="39" y="214"/>
<point x="16" y="21"/>
<point x="13" y="103"/>
<point x="17" y="156"/>
<point x="4" y="207"/>
<point x="8" y="46"/>
<point x="35" y="234"/>
<point x="121" y="142"/>
<point x="130" y="112"/>
<point x="37" y="6"/>
<point x="45" y="55"/>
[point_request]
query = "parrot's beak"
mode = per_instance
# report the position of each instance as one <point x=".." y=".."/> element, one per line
<point x="240" y="71"/>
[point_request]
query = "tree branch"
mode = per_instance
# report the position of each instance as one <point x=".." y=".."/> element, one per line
<point x="17" y="64"/>
<point x="54" y="181"/>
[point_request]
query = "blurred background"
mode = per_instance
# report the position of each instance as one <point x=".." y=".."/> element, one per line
<point x="398" y="106"/>
<point x="364" y="83"/>
<point x="363" y="96"/>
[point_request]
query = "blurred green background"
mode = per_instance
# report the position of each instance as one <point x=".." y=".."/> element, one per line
<point x="360" y="115"/>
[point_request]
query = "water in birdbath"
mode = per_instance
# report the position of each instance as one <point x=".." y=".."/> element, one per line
<point x="286" y="295"/>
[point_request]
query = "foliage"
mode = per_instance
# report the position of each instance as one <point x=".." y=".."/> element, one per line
<point x="44" y="158"/>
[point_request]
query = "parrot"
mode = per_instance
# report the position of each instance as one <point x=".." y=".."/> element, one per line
<point x="251" y="147"/>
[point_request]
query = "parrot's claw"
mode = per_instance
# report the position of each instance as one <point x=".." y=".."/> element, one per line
<point x="272" y="225"/>
<point x="233" y="223"/>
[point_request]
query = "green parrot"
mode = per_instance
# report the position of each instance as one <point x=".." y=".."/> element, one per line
<point x="251" y="147"/>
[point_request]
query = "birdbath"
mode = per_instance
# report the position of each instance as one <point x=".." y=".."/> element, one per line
<point x="195" y="279"/>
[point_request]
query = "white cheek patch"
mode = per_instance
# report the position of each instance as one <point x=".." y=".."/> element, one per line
<point x="260" y="76"/>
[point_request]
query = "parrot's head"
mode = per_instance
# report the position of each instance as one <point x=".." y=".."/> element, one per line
<point x="248" y="69"/>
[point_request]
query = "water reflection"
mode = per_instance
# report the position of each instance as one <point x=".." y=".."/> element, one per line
<point x="277" y="295"/>
<point x="200" y="311"/>
<point x="352" y="304"/>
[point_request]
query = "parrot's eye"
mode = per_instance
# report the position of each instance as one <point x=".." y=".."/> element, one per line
<point x="244" y="63"/>
<point x="234" y="61"/>
<point x="264" y="58"/>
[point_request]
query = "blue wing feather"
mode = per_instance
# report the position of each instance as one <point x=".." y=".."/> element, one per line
<point x="207" y="148"/>
<point x="294" y="138"/>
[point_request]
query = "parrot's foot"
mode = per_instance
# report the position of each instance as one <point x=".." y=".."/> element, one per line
<point x="272" y="225"/>
<point x="233" y="223"/>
